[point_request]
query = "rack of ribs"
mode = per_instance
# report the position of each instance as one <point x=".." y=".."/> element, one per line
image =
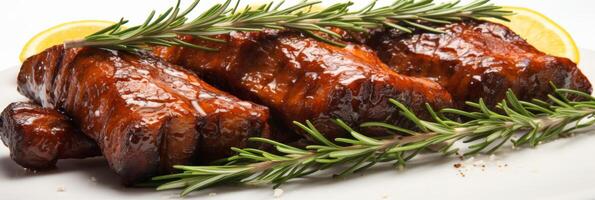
<point x="300" y="78"/>
<point x="477" y="59"/>
<point x="146" y="115"/>
<point x="37" y="137"/>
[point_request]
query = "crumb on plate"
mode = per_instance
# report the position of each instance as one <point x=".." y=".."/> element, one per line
<point x="277" y="193"/>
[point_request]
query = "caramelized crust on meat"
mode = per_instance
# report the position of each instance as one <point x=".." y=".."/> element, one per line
<point x="477" y="59"/>
<point x="300" y="78"/>
<point x="145" y="114"/>
<point x="37" y="137"/>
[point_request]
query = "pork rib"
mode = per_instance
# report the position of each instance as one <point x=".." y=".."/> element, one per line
<point x="300" y="78"/>
<point x="145" y="114"/>
<point x="37" y="137"/>
<point x="478" y="59"/>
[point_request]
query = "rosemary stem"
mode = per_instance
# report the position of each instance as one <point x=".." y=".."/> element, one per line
<point x="458" y="134"/>
<point x="223" y="18"/>
<point x="83" y="43"/>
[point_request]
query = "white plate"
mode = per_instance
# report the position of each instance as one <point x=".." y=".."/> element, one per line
<point x="563" y="169"/>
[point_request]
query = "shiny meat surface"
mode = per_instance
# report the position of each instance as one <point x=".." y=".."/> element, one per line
<point x="477" y="59"/>
<point x="145" y="114"/>
<point x="300" y="78"/>
<point x="37" y="137"/>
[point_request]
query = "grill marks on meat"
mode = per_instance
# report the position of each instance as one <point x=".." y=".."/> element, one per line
<point x="300" y="79"/>
<point x="476" y="59"/>
<point x="145" y="114"/>
<point x="37" y="137"/>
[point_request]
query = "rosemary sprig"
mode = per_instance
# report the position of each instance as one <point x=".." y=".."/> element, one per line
<point x="531" y="123"/>
<point x="223" y="18"/>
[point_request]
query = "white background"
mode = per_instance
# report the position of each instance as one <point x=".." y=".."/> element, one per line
<point x="564" y="169"/>
<point x="22" y="19"/>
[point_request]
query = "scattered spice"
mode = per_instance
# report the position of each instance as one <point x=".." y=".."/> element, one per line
<point x="501" y="164"/>
<point x="462" y="174"/>
<point x="460" y="156"/>
<point x="479" y="163"/>
<point x="472" y="164"/>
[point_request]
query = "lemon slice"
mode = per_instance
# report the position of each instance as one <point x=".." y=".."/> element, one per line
<point x="543" y="33"/>
<point x="60" y="33"/>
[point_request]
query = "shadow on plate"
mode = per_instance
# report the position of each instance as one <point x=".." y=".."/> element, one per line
<point x="419" y="164"/>
<point x="13" y="171"/>
<point x="91" y="169"/>
<point x="97" y="168"/>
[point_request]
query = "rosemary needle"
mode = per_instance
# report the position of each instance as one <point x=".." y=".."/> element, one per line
<point x="226" y="17"/>
<point x="531" y="122"/>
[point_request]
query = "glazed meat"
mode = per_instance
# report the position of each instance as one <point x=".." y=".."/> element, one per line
<point x="37" y="137"/>
<point x="145" y="114"/>
<point x="300" y="78"/>
<point x="477" y="59"/>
